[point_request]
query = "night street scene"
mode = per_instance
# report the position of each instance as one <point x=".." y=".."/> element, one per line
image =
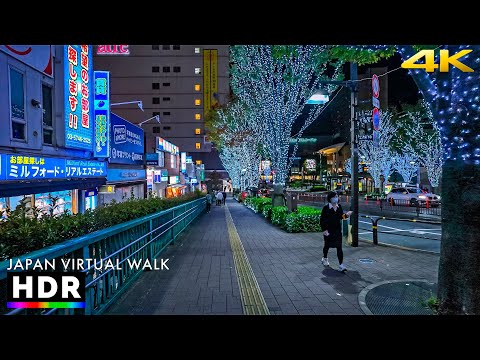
<point x="239" y="180"/>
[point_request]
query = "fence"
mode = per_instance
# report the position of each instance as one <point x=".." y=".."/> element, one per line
<point x="133" y="241"/>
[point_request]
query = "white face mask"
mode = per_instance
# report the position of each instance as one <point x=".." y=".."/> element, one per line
<point x="334" y="200"/>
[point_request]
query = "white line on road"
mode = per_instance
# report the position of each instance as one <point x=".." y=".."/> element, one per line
<point x="423" y="231"/>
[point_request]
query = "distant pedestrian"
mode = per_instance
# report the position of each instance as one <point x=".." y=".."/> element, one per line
<point x="209" y="202"/>
<point x="219" y="198"/>
<point x="224" y="197"/>
<point x="330" y="221"/>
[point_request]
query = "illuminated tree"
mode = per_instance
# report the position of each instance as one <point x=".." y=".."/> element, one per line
<point x="348" y="165"/>
<point x="406" y="165"/>
<point x="277" y="81"/>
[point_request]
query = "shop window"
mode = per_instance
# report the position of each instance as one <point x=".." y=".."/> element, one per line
<point x="47" y="114"/>
<point x="17" y="105"/>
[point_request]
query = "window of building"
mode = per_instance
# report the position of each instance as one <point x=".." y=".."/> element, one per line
<point x="197" y="50"/>
<point x="173" y="161"/>
<point x="176" y="47"/>
<point x="176" y="69"/>
<point x="155" y="100"/>
<point x="197" y="145"/>
<point x="155" y="68"/>
<point x="197" y="87"/>
<point x="167" y="128"/>
<point x="155" y="113"/>
<point x="156" y="129"/>
<point x="198" y="117"/>
<point x="166" y="69"/>
<point x="155" y="86"/>
<point x="198" y="71"/>
<point x="198" y="162"/>
<point x="166" y="99"/>
<point x="197" y="131"/>
<point x="161" y="159"/>
<point x="166" y="84"/>
<point x="155" y="47"/>
<point x="165" y="47"/>
<point x="166" y="113"/>
<point x="17" y="104"/>
<point x="47" y="114"/>
<point x="197" y="102"/>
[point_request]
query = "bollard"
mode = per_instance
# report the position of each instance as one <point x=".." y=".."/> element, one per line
<point x="375" y="229"/>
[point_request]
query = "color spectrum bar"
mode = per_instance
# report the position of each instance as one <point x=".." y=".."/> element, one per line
<point x="46" y="305"/>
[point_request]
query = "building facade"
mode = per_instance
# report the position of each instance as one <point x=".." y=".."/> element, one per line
<point x="176" y="82"/>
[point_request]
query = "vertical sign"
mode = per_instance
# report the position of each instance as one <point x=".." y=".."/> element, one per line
<point x="207" y="95"/>
<point x="214" y="77"/>
<point x="101" y="102"/>
<point x="183" y="162"/>
<point x="376" y="107"/>
<point x="78" y="79"/>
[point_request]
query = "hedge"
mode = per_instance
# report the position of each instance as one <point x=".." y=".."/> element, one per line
<point x="279" y="213"/>
<point x="306" y="219"/>
<point x="24" y="231"/>
<point x="267" y="211"/>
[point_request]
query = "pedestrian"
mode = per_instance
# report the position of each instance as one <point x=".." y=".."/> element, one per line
<point x="209" y="202"/>
<point x="224" y="197"/>
<point x="219" y="198"/>
<point x="330" y="221"/>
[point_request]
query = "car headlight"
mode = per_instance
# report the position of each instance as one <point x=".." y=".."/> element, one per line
<point x="438" y="197"/>
<point x="422" y="197"/>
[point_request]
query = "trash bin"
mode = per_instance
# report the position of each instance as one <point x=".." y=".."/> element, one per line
<point x="292" y="201"/>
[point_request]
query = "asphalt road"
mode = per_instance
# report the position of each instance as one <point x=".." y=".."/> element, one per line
<point x="403" y="233"/>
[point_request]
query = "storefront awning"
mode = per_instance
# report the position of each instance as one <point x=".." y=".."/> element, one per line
<point x="16" y="188"/>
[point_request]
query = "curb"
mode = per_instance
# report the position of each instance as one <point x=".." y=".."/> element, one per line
<point x="363" y="294"/>
<point x="400" y="247"/>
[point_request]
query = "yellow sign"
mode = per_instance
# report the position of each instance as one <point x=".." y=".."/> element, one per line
<point x="445" y="61"/>
<point x="214" y="76"/>
<point x="207" y="95"/>
<point x="106" y="189"/>
<point x="359" y="186"/>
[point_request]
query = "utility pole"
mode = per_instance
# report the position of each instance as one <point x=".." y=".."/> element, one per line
<point x="354" y="153"/>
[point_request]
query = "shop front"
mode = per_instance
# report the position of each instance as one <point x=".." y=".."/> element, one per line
<point x="52" y="185"/>
<point x="174" y="188"/>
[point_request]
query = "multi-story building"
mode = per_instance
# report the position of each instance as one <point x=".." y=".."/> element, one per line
<point x="177" y="82"/>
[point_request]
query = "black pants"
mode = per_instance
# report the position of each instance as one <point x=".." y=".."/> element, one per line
<point x="208" y="207"/>
<point x="335" y="241"/>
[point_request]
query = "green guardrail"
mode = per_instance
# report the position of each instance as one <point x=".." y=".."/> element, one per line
<point x="135" y="240"/>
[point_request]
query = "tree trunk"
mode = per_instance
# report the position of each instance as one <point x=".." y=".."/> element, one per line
<point x="278" y="197"/>
<point x="459" y="268"/>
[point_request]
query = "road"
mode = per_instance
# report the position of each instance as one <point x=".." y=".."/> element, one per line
<point x="403" y="233"/>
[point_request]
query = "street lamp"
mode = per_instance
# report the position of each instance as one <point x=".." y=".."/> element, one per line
<point x="156" y="117"/>
<point x="352" y="85"/>
<point x="138" y="102"/>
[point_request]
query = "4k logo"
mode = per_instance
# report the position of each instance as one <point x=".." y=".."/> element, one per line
<point x="445" y="61"/>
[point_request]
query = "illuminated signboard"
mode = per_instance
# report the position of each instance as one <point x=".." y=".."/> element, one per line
<point x="152" y="158"/>
<point x="311" y="164"/>
<point x="164" y="175"/>
<point x="183" y="162"/>
<point x="113" y="50"/>
<point x="164" y="145"/>
<point x="20" y="167"/>
<point x="126" y="142"/>
<point x="174" y="179"/>
<point x="38" y="57"/>
<point x="78" y="94"/>
<point x="101" y="101"/>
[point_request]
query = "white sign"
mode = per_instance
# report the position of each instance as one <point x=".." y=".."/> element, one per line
<point x="38" y="57"/>
<point x="376" y="102"/>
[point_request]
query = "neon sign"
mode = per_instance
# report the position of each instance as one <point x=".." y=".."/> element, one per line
<point x="113" y="50"/>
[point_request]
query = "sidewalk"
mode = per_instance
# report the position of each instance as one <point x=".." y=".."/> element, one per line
<point x="286" y="269"/>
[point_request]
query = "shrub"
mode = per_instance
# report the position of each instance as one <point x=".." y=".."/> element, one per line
<point x="279" y="213"/>
<point x="306" y="219"/>
<point x="21" y="233"/>
<point x="317" y="188"/>
<point x="267" y="211"/>
<point x="257" y="204"/>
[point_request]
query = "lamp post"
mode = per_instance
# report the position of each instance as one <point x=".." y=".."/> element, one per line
<point x="352" y="85"/>
<point x="138" y="102"/>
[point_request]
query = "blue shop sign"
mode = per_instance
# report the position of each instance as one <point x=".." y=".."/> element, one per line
<point x="126" y="142"/>
<point x="101" y="99"/>
<point x="126" y="175"/>
<point x="78" y="95"/>
<point x="152" y="158"/>
<point x="21" y="167"/>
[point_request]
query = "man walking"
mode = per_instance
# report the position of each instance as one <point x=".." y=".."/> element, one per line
<point x="209" y="202"/>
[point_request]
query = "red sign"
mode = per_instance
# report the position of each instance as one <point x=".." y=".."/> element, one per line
<point x="38" y="57"/>
<point x="375" y="86"/>
<point x="113" y="50"/>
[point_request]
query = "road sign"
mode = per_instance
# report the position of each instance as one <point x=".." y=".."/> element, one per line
<point x="376" y="102"/>
<point x="375" y="86"/>
<point x="376" y="119"/>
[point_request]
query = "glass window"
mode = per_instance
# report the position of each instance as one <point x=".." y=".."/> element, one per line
<point x="165" y="47"/>
<point x="17" y="200"/>
<point x="197" y="50"/>
<point x="155" y="86"/>
<point x="167" y="128"/>
<point x="166" y="84"/>
<point x="47" y="114"/>
<point x="155" y="100"/>
<point x="3" y="207"/>
<point x="197" y="131"/>
<point x="197" y="87"/>
<point x="55" y="203"/>
<point x="198" y="71"/>
<point x="166" y="99"/>
<point x="155" y="47"/>
<point x="156" y="129"/>
<point x="197" y="102"/>
<point x="155" y="68"/>
<point x="155" y="113"/>
<point x="166" y="69"/>
<point x="17" y="104"/>
<point x="176" y="47"/>
<point x="166" y="113"/>
<point x="197" y="145"/>
<point x="176" y="69"/>
<point x="198" y="116"/>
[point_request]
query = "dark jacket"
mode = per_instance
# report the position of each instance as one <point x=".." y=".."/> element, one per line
<point x="331" y="220"/>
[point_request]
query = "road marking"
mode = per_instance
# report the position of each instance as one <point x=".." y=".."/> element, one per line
<point x="414" y="231"/>
<point x="252" y="298"/>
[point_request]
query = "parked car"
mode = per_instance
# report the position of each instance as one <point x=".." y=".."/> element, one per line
<point x="264" y="192"/>
<point x="412" y="196"/>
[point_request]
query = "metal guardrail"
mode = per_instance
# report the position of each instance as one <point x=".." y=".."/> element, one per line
<point x="143" y="238"/>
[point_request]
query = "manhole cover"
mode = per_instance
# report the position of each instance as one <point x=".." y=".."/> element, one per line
<point x="366" y="261"/>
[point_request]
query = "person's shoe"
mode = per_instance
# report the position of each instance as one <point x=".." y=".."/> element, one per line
<point x="342" y="268"/>
<point x="325" y="262"/>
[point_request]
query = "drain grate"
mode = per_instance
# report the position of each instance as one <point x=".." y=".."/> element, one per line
<point x="366" y="261"/>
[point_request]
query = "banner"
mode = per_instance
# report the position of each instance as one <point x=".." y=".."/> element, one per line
<point x="126" y="142"/>
<point x="214" y="77"/>
<point x="207" y="94"/>
<point x="101" y="100"/>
